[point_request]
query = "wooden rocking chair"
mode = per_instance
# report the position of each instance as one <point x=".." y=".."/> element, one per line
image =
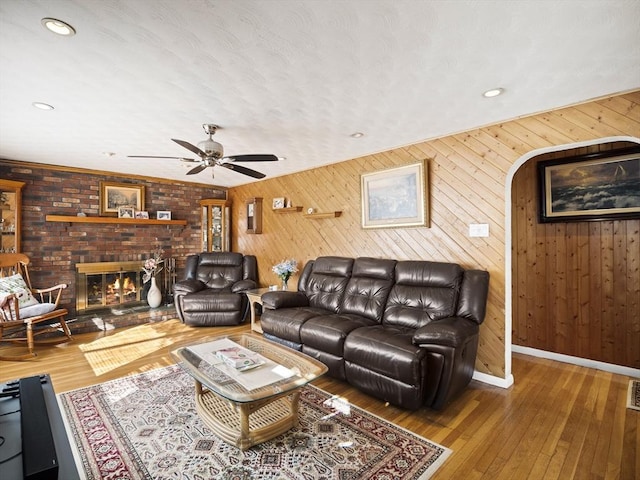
<point x="26" y="312"/>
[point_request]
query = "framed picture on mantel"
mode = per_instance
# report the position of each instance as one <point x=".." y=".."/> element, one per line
<point x="116" y="195"/>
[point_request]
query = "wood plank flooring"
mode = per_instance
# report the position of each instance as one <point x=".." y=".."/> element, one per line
<point x="558" y="421"/>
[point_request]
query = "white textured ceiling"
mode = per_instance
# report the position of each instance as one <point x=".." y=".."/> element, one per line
<point x="292" y="77"/>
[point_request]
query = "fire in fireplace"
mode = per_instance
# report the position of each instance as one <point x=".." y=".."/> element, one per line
<point x="108" y="284"/>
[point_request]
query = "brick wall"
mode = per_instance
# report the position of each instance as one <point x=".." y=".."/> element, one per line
<point x="55" y="248"/>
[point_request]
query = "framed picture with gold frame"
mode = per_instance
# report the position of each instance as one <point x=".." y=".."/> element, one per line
<point x="395" y="198"/>
<point x="116" y="195"/>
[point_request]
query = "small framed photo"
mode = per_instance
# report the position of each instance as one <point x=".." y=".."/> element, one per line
<point x="142" y="214"/>
<point x="126" y="212"/>
<point x="278" y="203"/>
<point x="163" y="215"/>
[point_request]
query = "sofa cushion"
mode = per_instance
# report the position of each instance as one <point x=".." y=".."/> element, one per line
<point x="424" y="291"/>
<point x="212" y="301"/>
<point x="368" y="288"/>
<point x="327" y="333"/>
<point x="326" y="283"/>
<point x="388" y="351"/>
<point x="286" y="323"/>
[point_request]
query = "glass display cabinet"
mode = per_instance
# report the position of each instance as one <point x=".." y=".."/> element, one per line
<point x="10" y="215"/>
<point x="216" y="225"/>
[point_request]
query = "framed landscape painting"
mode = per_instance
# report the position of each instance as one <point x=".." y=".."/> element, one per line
<point x="602" y="186"/>
<point x="116" y="195"/>
<point x="395" y="197"/>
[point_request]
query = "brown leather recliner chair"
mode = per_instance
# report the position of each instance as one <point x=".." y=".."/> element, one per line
<point x="212" y="290"/>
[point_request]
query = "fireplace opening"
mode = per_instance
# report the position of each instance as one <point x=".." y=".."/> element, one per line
<point x="109" y="284"/>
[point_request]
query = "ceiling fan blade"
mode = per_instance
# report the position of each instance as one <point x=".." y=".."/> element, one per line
<point x="197" y="169"/>
<point x="259" y="157"/>
<point x="190" y="147"/>
<point x="243" y="170"/>
<point x="156" y="156"/>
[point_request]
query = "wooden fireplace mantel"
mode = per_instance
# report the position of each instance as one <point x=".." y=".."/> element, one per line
<point x="134" y="221"/>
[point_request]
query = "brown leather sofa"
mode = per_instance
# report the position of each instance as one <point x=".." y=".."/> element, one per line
<point x="212" y="290"/>
<point x="405" y="332"/>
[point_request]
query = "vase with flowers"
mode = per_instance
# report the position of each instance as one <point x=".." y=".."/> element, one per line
<point x="284" y="270"/>
<point x="152" y="266"/>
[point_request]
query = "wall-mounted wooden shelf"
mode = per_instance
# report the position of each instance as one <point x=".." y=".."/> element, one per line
<point x="288" y="210"/>
<point x="134" y="221"/>
<point x="323" y="215"/>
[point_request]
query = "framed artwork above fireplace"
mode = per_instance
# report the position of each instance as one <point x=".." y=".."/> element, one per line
<point x="116" y="195"/>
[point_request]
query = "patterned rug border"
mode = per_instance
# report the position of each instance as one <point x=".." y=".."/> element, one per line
<point x="633" y="395"/>
<point x="175" y="368"/>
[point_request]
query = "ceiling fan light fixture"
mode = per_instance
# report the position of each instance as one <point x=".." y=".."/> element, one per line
<point x="58" y="27"/>
<point x="211" y="148"/>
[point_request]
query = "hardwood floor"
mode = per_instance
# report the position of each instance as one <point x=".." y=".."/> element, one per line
<point x="558" y="421"/>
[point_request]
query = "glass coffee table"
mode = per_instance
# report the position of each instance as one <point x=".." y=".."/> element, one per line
<point x="252" y="403"/>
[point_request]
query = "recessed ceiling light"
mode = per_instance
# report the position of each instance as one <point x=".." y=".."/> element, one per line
<point x="494" y="92"/>
<point x="42" y="106"/>
<point x="357" y="135"/>
<point x="58" y="27"/>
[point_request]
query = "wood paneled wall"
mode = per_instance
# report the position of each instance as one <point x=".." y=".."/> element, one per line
<point x="581" y="296"/>
<point x="467" y="175"/>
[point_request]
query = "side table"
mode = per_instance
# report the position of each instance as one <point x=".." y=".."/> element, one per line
<point x="255" y="296"/>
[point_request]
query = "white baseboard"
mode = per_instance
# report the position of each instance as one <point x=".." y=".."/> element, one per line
<point x="583" y="362"/>
<point x="493" y="380"/>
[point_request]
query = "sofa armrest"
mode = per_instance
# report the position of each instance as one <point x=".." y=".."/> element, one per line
<point x="243" y="285"/>
<point x="450" y="332"/>
<point x="184" y="287"/>
<point x="279" y="299"/>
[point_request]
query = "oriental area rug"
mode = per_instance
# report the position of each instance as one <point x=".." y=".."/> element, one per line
<point x="146" y="427"/>
<point x="633" y="395"/>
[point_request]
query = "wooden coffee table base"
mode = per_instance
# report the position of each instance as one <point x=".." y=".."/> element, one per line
<point x="247" y="424"/>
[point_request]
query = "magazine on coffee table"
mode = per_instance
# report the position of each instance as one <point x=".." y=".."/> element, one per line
<point x="259" y="372"/>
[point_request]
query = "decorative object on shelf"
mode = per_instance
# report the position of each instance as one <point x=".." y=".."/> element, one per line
<point x="309" y="210"/>
<point x="116" y="195"/>
<point x="142" y="214"/>
<point x="288" y="203"/>
<point x="163" y="215"/>
<point x="599" y="186"/>
<point x="126" y="212"/>
<point x="395" y="197"/>
<point x="284" y="270"/>
<point x="278" y="203"/>
<point x="254" y="215"/>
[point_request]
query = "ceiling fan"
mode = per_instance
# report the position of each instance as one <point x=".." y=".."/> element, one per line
<point x="211" y="153"/>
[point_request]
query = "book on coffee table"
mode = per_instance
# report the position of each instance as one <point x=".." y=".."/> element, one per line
<point x="239" y="358"/>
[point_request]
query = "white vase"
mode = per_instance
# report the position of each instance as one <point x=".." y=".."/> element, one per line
<point x="154" y="295"/>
